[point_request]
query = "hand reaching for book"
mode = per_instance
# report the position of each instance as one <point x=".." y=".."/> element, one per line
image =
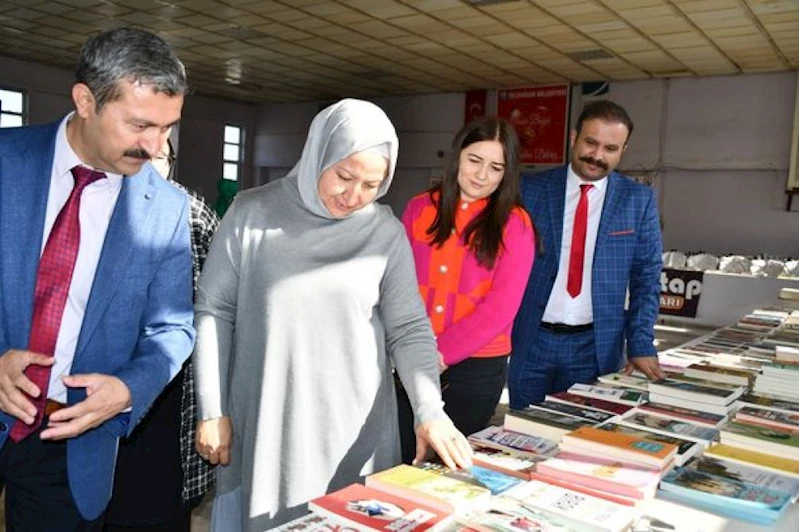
<point x="649" y="366"/>
<point x="450" y="445"/>
<point x="212" y="440"/>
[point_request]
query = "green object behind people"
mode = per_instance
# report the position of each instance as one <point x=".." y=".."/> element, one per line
<point x="226" y="190"/>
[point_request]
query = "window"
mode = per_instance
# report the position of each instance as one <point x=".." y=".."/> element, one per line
<point x="231" y="155"/>
<point x="12" y="108"/>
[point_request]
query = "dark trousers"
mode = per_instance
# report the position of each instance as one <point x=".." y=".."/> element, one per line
<point x="553" y="364"/>
<point x="38" y="498"/>
<point x="471" y="392"/>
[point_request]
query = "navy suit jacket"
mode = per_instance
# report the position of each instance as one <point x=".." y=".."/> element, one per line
<point x="138" y="320"/>
<point x="627" y="256"/>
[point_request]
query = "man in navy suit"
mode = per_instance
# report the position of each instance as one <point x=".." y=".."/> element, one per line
<point x="601" y="241"/>
<point x="122" y="263"/>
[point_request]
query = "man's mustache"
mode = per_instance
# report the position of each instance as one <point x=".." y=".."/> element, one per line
<point x="138" y="154"/>
<point x="603" y="165"/>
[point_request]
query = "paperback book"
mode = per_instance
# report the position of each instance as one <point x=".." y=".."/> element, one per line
<point x="686" y="449"/>
<point x="543" y="423"/>
<point x="498" y="483"/>
<point x="674" y="427"/>
<point x="589" y="402"/>
<point x="768" y="418"/>
<point x="769" y="403"/>
<point x="444" y="493"/>
<point x="616" y="444"/>
<point x="582" y="412"/>
<point x="515" y="443"/>
<point x="698" y="417"/>
<point x="714" y="395"/>
<point x="625" y="381"/>
<point x="625" y="396"/>
<point x="759" y="438"/>
<point x="725" y="496"/>
<point x="370" y="509"/>
<point x="768" y="462"/>
<point x="746" y="473"/>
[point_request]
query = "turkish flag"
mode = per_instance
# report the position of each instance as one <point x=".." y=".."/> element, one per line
<point x="475" y="104"/>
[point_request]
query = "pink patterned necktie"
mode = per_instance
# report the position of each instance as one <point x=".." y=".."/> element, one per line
<point x="52" y="287"/>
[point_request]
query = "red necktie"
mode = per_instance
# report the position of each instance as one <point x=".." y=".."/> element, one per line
<point x="574" y="284"/>
<point x="52" y="286"/>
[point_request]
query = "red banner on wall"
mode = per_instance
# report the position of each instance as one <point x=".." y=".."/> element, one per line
<point x="476" y="102"/>
<point x="540" y="117"/>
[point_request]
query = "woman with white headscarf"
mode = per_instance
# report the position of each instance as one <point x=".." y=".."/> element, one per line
<point x="307" y="300"/>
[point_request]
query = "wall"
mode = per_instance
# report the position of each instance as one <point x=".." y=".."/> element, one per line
<point x="718" y="149"/>
<point x="200" y="132"/>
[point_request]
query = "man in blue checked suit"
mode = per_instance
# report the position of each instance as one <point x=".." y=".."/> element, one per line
<point x="600" y="233"/>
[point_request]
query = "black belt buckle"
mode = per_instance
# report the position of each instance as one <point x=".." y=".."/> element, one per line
<point x="562" y="328"/>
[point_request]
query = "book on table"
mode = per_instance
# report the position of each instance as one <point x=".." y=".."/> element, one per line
<point x="675" y="427"/>
<point x="765" y="461"/>
<point x="629" y="448"/>
<point x="370" y="509"/>
<point x="625" y="381"/>
<point x="594" y="416"/>
<point x="602" y="474"/>
<point x="543" y="423"/>
<point x="743" y="472"/>
<point x="721" y="410"/>
<point x="495" y="481"/>
<point x="769" y="440"/>
<point x="768" y="418"/>
<point x="686" y="449"/>
<point x="515" y="443"/>
<point x="702" y="393"/>
<point x="698" y="417"/>
<point x="725" y="496"/>
<point x="314" y="522"/>
<point x="582" y="512"/>
<point x="510" y="464"/>
<point x="769" y="403"/>
<point x="589" y="402"/>
<point x="426" y="487"/>
<point x="627" y="396"/>
<point x="722" y="374"/>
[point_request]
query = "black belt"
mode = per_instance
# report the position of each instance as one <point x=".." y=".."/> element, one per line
<point x="562" y="328"/>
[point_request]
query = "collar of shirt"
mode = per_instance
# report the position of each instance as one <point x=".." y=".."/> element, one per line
<point x="65" y="158"/>
<point x="573" y="182"/>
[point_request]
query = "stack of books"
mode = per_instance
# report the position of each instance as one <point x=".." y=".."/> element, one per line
<point x="545" y="423"/>
<point x="686" y="449"/>
<point x="725" y="496"/>
<point x="627" y="448"/>
<point x="717" y="399"/>
<point x="641" y="419"/>
<point x="762" y="439"/>
<point x="679" y="413"/>
<point x="623" y="395"/>
<point x="778" y="379"/>
<point x="508" y="452"/>
<point x="723" y="374"/>
<point x="603" y="405"/>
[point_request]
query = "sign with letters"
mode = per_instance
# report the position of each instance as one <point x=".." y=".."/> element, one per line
<point x="540" y="116"/>
<point x="680" y="291"/>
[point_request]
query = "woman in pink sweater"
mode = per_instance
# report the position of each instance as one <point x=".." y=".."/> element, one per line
<point x="474" y="245"/>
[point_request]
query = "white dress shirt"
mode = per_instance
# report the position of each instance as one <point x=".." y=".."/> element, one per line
<point x="96" y="206"/>
<point x="561" y="307"/>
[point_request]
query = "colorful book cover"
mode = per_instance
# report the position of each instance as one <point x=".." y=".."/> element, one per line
<point x="550" y="425"/>
<point x="745" y="473"/>
<point x="426" y="487"/>
<point x="686" y="449"/>
<point x="513" y="442"/>
<point x="670" y="426"/>
<point x="592" y="512"/>
<point x="610" y="393"/>
<point x="371" y="509"/>
<point x="699" y="392"/>
<point x="695" y="416"/>
<point x="638" y="448"/>
<point x="494" y="481"/>
<point x="602" y="474"/>
<point x="505" y="462"/>
<point x="716" y="493"/>
<point x="574" y="410"/>
<point x="761" y="416"/>
<point x="589" y="402"/>
<point x="777" y="464"/>
<point x="771" y="403"/>
<point x="786" y="439"/>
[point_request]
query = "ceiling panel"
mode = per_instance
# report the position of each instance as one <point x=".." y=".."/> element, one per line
<point x="297" y="50"/>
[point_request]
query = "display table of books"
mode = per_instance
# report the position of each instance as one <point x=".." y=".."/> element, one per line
<point x="713" y="447"/>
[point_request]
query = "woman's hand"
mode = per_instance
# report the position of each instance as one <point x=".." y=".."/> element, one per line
<point x="213" y="438"/>
<point x="450" y="445"/>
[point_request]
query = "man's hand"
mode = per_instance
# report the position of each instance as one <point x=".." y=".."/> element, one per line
<point x="213" y="438"/>
<point x="14" y="384"/>
<point x="106" y="396"/>
<point x="649" y="366"/>
<point x="450" y="445"/>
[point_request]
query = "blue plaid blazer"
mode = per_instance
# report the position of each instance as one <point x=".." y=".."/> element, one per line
<point x="627" y="256"/>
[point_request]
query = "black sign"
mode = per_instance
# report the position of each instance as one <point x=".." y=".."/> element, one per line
<point x="680" y="291"/>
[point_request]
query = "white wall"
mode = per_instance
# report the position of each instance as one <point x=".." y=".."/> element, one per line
<point x="718" y="147"/>
<point x="201" y="129"/>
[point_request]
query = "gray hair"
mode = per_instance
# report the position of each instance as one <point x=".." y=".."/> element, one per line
<point x="129" y="54"/>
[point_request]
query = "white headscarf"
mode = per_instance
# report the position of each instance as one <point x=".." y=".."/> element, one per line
<point x="346" y="127"/>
